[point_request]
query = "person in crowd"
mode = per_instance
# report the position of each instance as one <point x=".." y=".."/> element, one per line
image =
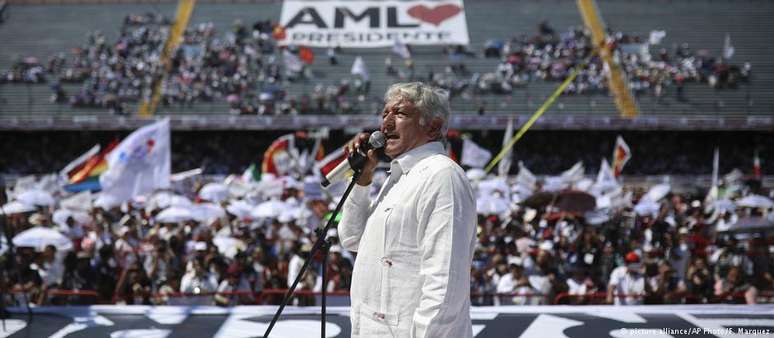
<point x="627" y="285"/>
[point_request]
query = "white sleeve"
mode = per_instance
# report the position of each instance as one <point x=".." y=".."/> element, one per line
<point x="447" y="228"/>
<point x="354" y="216"/>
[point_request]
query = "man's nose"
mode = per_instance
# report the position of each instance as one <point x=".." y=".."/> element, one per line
<point x="388" y="123"/>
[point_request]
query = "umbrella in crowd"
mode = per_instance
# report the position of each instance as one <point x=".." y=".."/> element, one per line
<point x="228" y="246"/>
<point x="16" y="207"/>
<point x="206" y="211"/>
<point x="214" y="192"/>
<point x="571" y="201"/>
<point x="41" y="237"/>
<point x="174" y="215"/>
<point x="268" y="209"/>
<point x="60" y="217"/>
<point x="240" y="209"/>
<point x="752" y="224"/>
<point x="575" y="201"/>
<point x="755" y="201"/>
<point x="36" y="197"/>
<point x="492" y="205"/>
<point x="539" y="200"/>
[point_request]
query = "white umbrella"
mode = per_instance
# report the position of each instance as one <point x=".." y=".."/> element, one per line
<point x="60" y="217"/>
<point x="40" y="237"/>
<point x="724" y="205"/>
<point x="269" y="209"/>
<point x="106" y="202"/>
<point x="491" y="205"/>
<point x="36" y="197"/>
<point x="179" y="201"/>
<point x="240" y="209"/>
<point x="228" y="246"/>
<point x="206" y="211"/>
<point x="16" y="207"/>
<point x="755" y="201"/>
<point x="174" y="215"/>
<point x="214" y="192"/>
<point x="491" y="185"/>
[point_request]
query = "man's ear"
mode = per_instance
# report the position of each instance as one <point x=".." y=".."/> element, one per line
<point x="434" y="128"/>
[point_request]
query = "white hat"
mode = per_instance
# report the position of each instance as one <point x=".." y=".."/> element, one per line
<point x="200" y="246"/>
<point x="547" y="245"/>
<point x="515" y="260"/>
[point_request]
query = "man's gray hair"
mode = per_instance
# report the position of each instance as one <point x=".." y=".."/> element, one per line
<point x="432" y="102"/>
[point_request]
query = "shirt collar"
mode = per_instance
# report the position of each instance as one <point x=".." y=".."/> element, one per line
<point x="407" y="160"/>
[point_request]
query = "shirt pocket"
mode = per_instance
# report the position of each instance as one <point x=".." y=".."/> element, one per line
<point x="400" y="229"/>
<point x="402" y="282"/>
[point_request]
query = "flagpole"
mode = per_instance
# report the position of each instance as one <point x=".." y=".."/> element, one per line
<point x="532" y="120"/>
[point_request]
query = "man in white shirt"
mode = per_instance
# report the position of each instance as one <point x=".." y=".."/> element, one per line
<point x="627" y="283"/>
<point x="415" y="240"/>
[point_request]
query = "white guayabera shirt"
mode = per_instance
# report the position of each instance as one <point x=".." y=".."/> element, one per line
<point x="415" y="244"/>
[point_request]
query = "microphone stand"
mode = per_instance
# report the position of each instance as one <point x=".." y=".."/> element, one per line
<point x="322" y="244"/>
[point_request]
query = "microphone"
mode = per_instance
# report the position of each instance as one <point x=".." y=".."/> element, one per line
<point x="356" y="160"/>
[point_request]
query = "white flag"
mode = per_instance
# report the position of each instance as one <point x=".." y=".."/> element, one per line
<point x="728" y="49"/>
<point x="525" y="181"/>
<point x="505" y="163"/>
<point x="573" y="174"/>
<point x="473" y="155"/>
<point x="656" y="36"/>
<point x="359" y="68"/>
<point x="292" y="62"/>
<point x="140" y="164"/>
<point x="605" y="178"/>
<point x="401" y="49"/>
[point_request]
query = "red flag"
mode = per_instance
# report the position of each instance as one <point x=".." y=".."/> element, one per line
<point x="306" y="54"/>
<point x="621" y="155"/>
<point x="325" y="165"/>
<point x="278" y="33"/>
<point x="276" y="159"/>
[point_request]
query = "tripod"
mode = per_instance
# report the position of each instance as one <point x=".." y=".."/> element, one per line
<point x="322" y="244"/>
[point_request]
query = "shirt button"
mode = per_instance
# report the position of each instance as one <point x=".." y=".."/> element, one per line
<point x="386" y="261"/>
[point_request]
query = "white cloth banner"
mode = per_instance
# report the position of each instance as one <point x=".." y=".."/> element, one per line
<point x="663" y="321"/>
<point x="473" y="155"/>
<point x="373" y="24"/>
<point x="139" y="164"/>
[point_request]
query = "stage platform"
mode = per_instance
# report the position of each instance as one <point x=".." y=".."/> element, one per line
<point x="490" y="322"/>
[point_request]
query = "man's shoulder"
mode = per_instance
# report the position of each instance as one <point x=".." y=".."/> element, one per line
<point x="438" y="163"/>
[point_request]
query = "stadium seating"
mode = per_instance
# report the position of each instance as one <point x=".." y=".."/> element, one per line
<point x="44" y="30"/>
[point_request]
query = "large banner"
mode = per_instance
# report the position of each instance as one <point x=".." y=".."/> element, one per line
<point x="702" y="321"/>
<point x="372" y="23"/>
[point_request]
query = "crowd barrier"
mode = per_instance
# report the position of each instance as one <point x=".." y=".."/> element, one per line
<point x="341" y="298"/>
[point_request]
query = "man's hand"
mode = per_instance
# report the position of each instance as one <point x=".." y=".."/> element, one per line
<point x="371" y="162"/>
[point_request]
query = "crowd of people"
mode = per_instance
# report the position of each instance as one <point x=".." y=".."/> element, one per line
<point x="245" y="68"/>
<point x="551" y="56"/>
<point x="239" y="245"/>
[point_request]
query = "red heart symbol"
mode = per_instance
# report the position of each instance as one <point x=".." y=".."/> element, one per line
<point x="436" y="15"/>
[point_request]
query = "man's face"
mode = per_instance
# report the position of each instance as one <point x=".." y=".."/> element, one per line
<point x="400" y="124"/>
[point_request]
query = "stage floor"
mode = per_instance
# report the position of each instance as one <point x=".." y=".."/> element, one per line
<point x="116" y="321"/>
